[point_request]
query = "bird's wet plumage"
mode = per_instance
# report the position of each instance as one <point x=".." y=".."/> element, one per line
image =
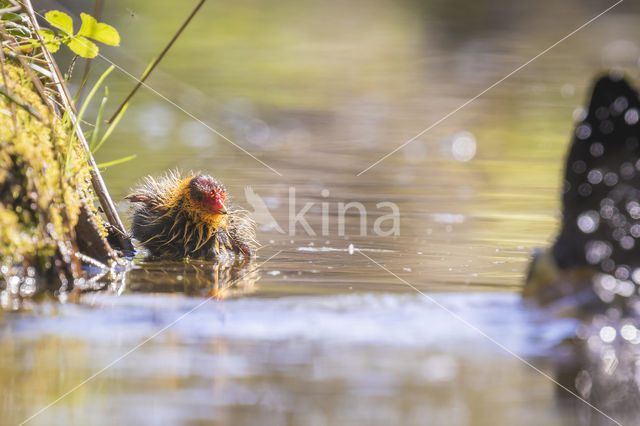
<point x="600" y="233"/>
<point x="178" y="217"/>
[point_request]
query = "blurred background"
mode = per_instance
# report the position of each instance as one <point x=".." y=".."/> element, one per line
<point x="319" y="91"/>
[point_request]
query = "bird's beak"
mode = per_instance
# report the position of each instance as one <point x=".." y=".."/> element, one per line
<point x="218" y="206"/>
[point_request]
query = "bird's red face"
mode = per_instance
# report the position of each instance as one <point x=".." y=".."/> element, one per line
<point x="208" y="193"/>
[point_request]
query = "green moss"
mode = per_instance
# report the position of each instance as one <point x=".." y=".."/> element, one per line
<point x="39" y="200"/>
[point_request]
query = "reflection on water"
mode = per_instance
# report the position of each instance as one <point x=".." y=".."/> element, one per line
<point x="602" y="368"/>
<point x="193" y="278"/>
<point x="320" y="91"/>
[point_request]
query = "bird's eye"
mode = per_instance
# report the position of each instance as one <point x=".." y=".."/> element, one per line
<point x="197" y="195"/>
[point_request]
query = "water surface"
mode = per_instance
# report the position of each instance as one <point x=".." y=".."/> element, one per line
<point x="319" y="91"/>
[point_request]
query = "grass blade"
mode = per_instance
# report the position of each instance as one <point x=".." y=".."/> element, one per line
<point x="96" y="129"/>
<point x="93" y="91"/>
<point x="148" y="69"/>
<point x="111" y="128"/>
<point x="82" y="84"/>
<point x="116" y="162"/>
<point x="72" y="137"/>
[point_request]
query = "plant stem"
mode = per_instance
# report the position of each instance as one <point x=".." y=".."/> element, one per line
<point x="97" y="12"/>
<point x="166" y="49"/>
<point x="10" y="9"/>
<point x="96" y="178"/>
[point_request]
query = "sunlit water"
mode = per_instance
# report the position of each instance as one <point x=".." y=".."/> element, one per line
<point x="320" y="333"/>
<point x="372" y="358"/>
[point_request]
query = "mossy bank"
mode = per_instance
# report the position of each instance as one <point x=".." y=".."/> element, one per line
<point x="46" y="210"/>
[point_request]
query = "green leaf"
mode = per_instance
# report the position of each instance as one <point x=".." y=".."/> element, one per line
<point x="116" y="162"/>
<point x="47" y="34"/>
<point x="60" y="20"/>
<point x="19" y="31"/>
<point x="52" y="46"/>
<point x="50" y="41"/>
<point x="82" y="47"/>
<point x="14" y="17"/>
<point x="98" y="31"/>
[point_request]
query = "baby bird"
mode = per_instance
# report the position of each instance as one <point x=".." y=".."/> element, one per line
<point x="179" y="217"/>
